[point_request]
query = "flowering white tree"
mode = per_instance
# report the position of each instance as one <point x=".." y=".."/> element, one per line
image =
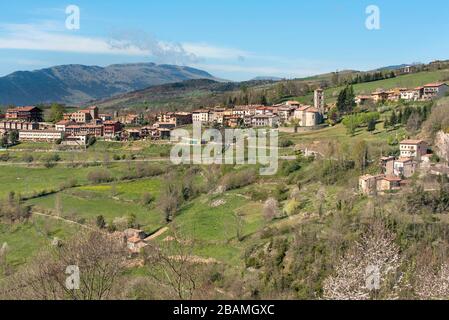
<point x="431" y="284"/>
<point x="271" y="209"/>
<point x="366" y="270"/>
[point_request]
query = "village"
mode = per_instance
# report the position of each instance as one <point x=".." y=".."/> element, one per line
<point x="76" y="128"/>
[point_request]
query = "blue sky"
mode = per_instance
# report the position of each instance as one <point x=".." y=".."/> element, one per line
<point x="231" y="39"/>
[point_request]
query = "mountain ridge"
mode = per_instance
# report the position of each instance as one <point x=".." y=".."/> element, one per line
<point x="75" y="84"/>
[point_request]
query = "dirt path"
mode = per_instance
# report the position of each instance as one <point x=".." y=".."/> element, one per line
<point x="195" y="259"/>
<point x="62" y="219"/>
<point x="157" y="234"/>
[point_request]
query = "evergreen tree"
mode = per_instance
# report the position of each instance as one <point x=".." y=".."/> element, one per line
<point x="393" y="119"/>
<point x="399" y="120"/>
<point x="371" y="125"/>
<point x="345" y="100"/>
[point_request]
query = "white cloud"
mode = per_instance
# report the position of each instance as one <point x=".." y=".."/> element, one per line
<point x="40" y="37"/>
<point x="52" y="36"/>
<point x="204" y="50"/>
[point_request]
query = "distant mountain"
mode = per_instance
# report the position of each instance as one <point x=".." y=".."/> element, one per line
<point x="262" y="78"/>
<point x="396" y="67"/>
<point x="78" y="84"/>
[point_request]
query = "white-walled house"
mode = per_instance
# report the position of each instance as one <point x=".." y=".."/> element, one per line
<point x="413" y="149"/>
<point x="434" y="90"/>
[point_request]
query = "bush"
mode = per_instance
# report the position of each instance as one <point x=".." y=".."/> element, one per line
<point x="285" y="143"/>
<point x="258" y="195"/>
<point x="236" y="180"/>
<point x="147" y="199"/>
<point x="69" y="184"/>
<point x="27" y="158"/>
<point x="281" y="192"/>
<point x="100" y="222"/>
<point x="99" y="176"/>
<point x="91" y="141"/>
<point x="52" y="158"/>
<point x="4" y="157"/>
<point x="290" y="167"/>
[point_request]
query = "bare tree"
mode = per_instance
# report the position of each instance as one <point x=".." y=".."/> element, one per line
<point x="99" y="258"/>
<point x="178" y="273"/>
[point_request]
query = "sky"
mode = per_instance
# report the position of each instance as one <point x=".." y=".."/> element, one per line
<point x="231" y="39"/>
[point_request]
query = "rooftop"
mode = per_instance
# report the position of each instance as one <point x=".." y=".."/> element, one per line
<point x="410" y="141"/>
<point x="436" y="84"/>
<point x="25" y="108"/>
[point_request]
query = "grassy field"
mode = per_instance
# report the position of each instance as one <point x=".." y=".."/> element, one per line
<point x="129" y="191"/>
<point x="29" y="180"/>
<point x="117" y="200"/>
<point x="24" y="240"/>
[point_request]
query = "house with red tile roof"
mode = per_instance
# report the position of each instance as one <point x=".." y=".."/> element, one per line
<point x="434" y="90"/>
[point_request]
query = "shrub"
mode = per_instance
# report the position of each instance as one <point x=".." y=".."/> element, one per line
<point x="236" y="180"/>
<point x="99" y="176"/>
<point x="285" y="143"/>
<point x="100" y="222"/>
<point x="4" y="157"/>
<point x="27" y="158"/>
<point x="147" y="199"/>
<point x="290" y="167"/>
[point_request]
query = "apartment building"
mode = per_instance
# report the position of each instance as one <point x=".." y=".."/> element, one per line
<point x="85" y="116"/>
<point x="265" y="121"/>
<point x="41" y="135"/>
<point x="112" y="128"/>
<point x="61" y="125"/>
<point x="285" y="113"/>
<point x="178" y="118"/>
<point x="85" y="129"/>
<point x="262" y="110"/>
<point x="201" y="116"/>
<point x="244" y="111"/>
<point x="412" y="94"/>
<point x="6" y="126"/>
<point x="29" y="114"/>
